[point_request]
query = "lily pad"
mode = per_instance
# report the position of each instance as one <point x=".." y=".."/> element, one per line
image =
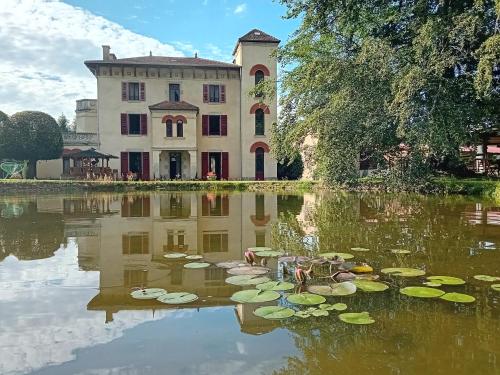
<point x="177" y="298"/>
<point x="292" y="259"/>
<point x="306" y="299"/>
<point x="302" y="314"/>
<point x="431" y="284"/>
<point x="275" y="285"/>
<point x="421" y="292"/>
<point x="269" y="253"/>
<point x="400" y="251"/>
<point x="336" y="306"/>
<point x="341" y="289"/>
<point x="360" y="249"/>
<point x="496" y="287"/>
<point x="486" y="278"/>
<point x="357" y="318"/>
<point x="446" y="280"/>
<point x="255" y="296"/>
<point x="458" y="297"/>
<point x="320" y="313"/>
<point x="247" y="280"/>
<point x="196" y="265"/>
<point x="259" y="248"/>
<point x="175" y="255"/>
<point x="342" y="255"/>
<point x="231" y="264"/>
<point x="274" y="312"/>
<point x="148" y="293"/>
<point x="361" y="268"/>
<point x="248" y="270"/>
<point x="370" y="286"/>
<point x="194" y="257"/>
<point x="403" y="272"/>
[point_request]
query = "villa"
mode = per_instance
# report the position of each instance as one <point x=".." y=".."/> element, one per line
<point x="177" y="117"/>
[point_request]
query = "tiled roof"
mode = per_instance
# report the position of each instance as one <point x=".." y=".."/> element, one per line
<point x="163" y="61"/>
<point x="178" y="106"/>
<point x="256" y="35"/>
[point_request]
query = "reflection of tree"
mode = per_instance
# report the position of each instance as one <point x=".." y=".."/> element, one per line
<point x="289" y="204"/>
<point x="287" y="234"/>
<point x="33" y="235"/>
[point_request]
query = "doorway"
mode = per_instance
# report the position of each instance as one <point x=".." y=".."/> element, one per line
<point x="135" y="163"/>
<point x="175" y="165"/>
<point x="259" y="164"/>
<point x="214" y="163"/>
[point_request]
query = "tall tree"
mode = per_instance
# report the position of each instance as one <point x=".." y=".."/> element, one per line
<point x="63" y="123"/>
<point x="32" y="136"/>
<point x="4" y="125"/>
<point x="367" y="76"/>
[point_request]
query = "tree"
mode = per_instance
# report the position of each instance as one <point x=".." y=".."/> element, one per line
<point x="63" y="123"/>
<point x="368" y="76"/>
<point x="4" y="125"/>
<point x="32" y="136"/>
<point x="291" y="169"/>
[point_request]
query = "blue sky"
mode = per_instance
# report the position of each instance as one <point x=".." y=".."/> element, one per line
<point x="48" y="40"/>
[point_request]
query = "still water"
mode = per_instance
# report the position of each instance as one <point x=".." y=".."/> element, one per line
<point x="69" y="263"/>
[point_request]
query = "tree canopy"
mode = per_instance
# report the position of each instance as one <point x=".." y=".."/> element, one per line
<point x="365" y="77"/>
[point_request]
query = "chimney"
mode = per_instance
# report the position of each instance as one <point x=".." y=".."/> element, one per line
<point x="105" y="53"/>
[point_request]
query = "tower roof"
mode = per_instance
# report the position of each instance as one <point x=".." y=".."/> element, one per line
<point x="258" y="36"/>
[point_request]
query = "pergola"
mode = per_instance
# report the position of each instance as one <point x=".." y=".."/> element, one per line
<point x="86" y="164"/>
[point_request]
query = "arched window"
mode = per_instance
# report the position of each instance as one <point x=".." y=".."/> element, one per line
<point x="169" y="128"/>
<point x="259" y="77"/>
<point x="259" y="122"/>
<point x="259" y="163"/>
<point x="180" y="128"/>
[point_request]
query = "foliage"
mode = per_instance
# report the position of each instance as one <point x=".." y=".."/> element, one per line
<point x="4" y="126"/>
<point x="364" y="77"/>
<point x="290" y="169"/>
<point x="64" y="124"/>
<point x="32" y="136"/>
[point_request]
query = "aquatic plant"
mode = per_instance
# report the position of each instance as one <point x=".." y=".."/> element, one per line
<point x="357" y="318"/>
<point x="148" y="293"/>
<point x="274" y="312"/>
<point x="177" y="298"/>
<point x="255" y="296"/>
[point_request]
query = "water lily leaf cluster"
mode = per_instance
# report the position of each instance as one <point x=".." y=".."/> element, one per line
<point x="357" y="318"/>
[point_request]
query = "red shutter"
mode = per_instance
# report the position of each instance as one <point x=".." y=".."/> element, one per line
<point x="204" y="165"/>
<point x="225" y="165"/>
<point x="124" y="91"/>
<point x="144" y="124"/>
<point x="124" y="163"/>
<point x="222" y="93"/>
<point x="145" y="166"/>
<point x="225" y="205"/>
<point x="124" y="123"/>
<point x="205" y="93"/>
<point x="143" y="91"/>
<point x="223" y="125"/>
<point x="204" y="125"/>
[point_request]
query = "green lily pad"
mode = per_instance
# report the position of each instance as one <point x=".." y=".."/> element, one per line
<point x="302" y="314"/>
<point x="247" y="280"/>
<point x="194" y="257"/>
<point x="269" y="253"/>
<point x="357" y="318"/>
<point x="446" y="280"/>
<point x="431" y="284"/>
<point x="400" y="251"/>
<point x="360" y="249"/>
<point x="255" y="296"/>
<point x="320" y="313"/>
<point x="148" y="293"/>
<point x="275" y="285"/>
<point x="196" y="265"/>
<point x="177" y="298"/>
<point x="486" y="278"/>
<point x="496" y="287"/>
<point x="336" y="306"/>
<point x="274" y="312"/>
<point x="306" y="299"/>
<point x="458" y="297"/>
<point x="231" y="264"/>
<point x="259" y="248"/>
<point x="370" y="286"/>
<point x="341" y="289"/>
<point x="248" y="270"/>
<point x="421" y="292"/>
<point x="175" y="255"/>
<point x="403" y="272"/>
<point x="331" y="255"/>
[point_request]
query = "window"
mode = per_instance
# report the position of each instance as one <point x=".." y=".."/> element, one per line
<point x="215" y="205"/>
<point x="134" y="124"/>
<point x="260" y="238"/>
<point x="215" y="242"/>
<point x="133" y="91"/>
<point x="175" y="206"/>
<point x="169" y="128"/>
<point x="259" y="77"/>
<point x="135" y="243"/>
<point x="213" y="93"/>
<point x="259" y="207"/>
<point x="180" y="129"/>
<point x="135" y="206"/>
<point x="259" y="122"/>
<point x="135" y="278"/>
<point x="174" y="92"/>
<point x="214" y="125"/>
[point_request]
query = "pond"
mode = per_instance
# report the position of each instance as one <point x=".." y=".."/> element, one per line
<point x="69" y="263"/>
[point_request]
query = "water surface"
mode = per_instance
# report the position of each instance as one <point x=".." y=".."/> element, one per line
<point x="68" y="264"/>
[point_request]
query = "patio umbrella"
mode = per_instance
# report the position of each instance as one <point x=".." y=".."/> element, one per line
<point x="92" y="153"/>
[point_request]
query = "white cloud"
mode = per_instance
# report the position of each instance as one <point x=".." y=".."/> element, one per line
<point x="240" y="8"/>
<point x="44" y="44"/>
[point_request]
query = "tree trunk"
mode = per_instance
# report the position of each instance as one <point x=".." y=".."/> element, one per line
<point x="31" y="170"/>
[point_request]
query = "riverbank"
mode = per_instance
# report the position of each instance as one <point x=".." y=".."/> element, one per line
<point x="443" y="185"/>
